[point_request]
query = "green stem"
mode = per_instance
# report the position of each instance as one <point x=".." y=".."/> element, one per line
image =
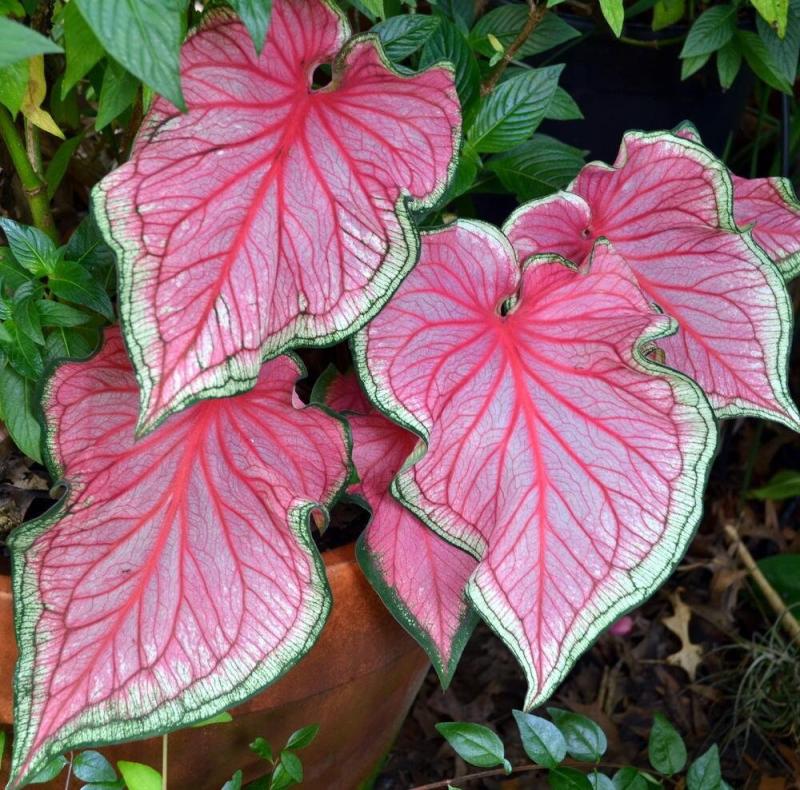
<point x="33" y="185"/>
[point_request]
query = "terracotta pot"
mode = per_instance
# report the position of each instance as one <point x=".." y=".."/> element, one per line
<point x="357" y="683"/>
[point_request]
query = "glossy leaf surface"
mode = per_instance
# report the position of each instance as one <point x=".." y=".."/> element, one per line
<point x="419" y="576"/>
<point x="558" y="453"/>
<point x="665" y="205"/>
<point x="273" y="213"/>
<point x="178" y="576"/>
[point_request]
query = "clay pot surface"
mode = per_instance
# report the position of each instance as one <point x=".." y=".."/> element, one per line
<point x="357" y="683"/>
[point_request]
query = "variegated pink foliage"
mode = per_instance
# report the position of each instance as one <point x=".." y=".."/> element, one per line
<point x="558" y="453"/>
<point x="178" y="575"/>
<point x="665" y="206"/>
<point x="271" y="214"/>
<point x="770" y="206"/>
<point x="419" y="576"/>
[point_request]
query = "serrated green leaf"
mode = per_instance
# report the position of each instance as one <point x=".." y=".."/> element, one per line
<point x="537" y="167"/>
<point x="18" y="42"/>
<point x="783" y="52"/>
<point x="614" y="14"/>
<point x="541" y="739"/>
<point x="403" y="35"/>
<point x="448" y="43"/>
<point x="567" y="779"/>
<point x="712" y="30"/>
<point x="144" y="36"/>
<point x="31" y="248"/>
<point x="117" y="94"/>
<point x="301" y="738"/>
<point x="91" y="766"/>
<point x="693" y="64"/>
<point x="460" y="12"/>
<point x="505" y="23"/>
<point x="760" y="61"/>
<point x="13" y="85"/>
<point x="705" y="772"/>
<point x="22" y="351"/>
<point x="256" y="15"/>
<point x="138" y="776"/>
<point x="775" y="13"/>
<point x="18" y="408"/>
<point x="26" y="314"/>
<point x="73" y="283"/>
<point x="586" y="741"/>
<point x="729" y="61"/>
<point x="474" y="743"/>
<point x="667" y="12"/>
<point x="57" y="166"/>
<point x="563" y="107"/>
<point x="83" y="49"/>
<point x="513" y="111"/>
<point x="665" y="748"/>
<point x="12" y="275"/>
<point x="71" y="343"/>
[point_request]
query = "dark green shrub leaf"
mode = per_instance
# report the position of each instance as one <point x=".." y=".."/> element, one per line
<point x="729" y="61"/>
<point x="50" y="771"/>
<point x="541" y="739"/>
<point x="461" y="12"/>
<point x="255" y="14"/>
<point x="474" y="743"/>
<point x="705" y="773"/>
<point x="144" y="36"/>
<point x="30" y="247"/>
<point x="783" y="52"/>
<point x="505" y="23"/>
<point x="72" y="282"/>
<point x="585" y="740"/>
<point x="18" y="42"/>
<point x="563" y="107"/>
<point x="302" y="737"/>
<point x="514" y="109"/>
<point x="93" y="767"/>
<point x="234" y="783"/>
<point x="760" y="60"/>
<point x="600" y="781"/>
<point x="288" y="772"/>
<point x="448" y="43"/>
<point x="56" y="314"/>
<point x="26" y="314"/>
<point x="693" y="64"/>
<point x="17" y="408"/>
<point x="262" y="748"/>
<point x="12" y="274"/>
<point x="665" y="747"/>
<point x="567" y="779"/>
<point x="629" y="778"/>
<point x="57" y="167"/>
<point x="712" y="30"/>
<point x="614" y="14"/>
<point x="784" y="485"/>
<point x="117" y="94"/>
<point x="70" y="343"/>
<point x="82" y="47"/>
<point x="403" y="35"/>
<point x="537" y="167"/>
<point x="22" y="352"/>
<point x="783" y="573"/>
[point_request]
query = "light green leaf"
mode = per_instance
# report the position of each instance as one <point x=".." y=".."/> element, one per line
<point x="73" y="283"/>
<point x="541" y="739"/>
<point x="13" y="85"/>
<point x="693" y="64"/>
<point x="403" y="35"/>
<point x="138" y="776"/>
<point x="301" y="738"/>
<point x="668" y="12"/>
<point x="91" y="766"/>
<point x="17" y="406"/>
<point x="220" y="718"/>
<point x="144" y="36"/>
<point x="116" y="95"/>
<point x="783" y="52"/>
<point x="585" y="740"/>
<point x="31" y="248"/>
<point x="448" y="43"/>
<point x="373" y="8"/>
<point x="563" y="107"/>
<point x="775" y="13"/>
<point x="514" y="109"/>
<point x="234" y="783"/>
<point x="474" y="743"/>
<point x="729" y="61"/>
<point x="83" y="49"/>
<point x="18" y="42"/>
<point x="712" y="30"/>
<point x="614" y="14"/>
<point x="783" y="485"/>
<point x="705" y="772"/>
<point x="11" y="8"/>
<point x="537" y="167"/>
<point x="665" y="748"/>
<point x="50" y="770"/>
<point x="57" y="167"/>
<point x="256" y="15"/>
<point x="505" y="22"/>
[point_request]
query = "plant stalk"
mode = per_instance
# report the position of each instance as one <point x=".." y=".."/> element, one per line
<point x="535" y="14"/>
<point x="787" y="620"/>
<point x="33" y="185"/>
<point x="164" y="760"/>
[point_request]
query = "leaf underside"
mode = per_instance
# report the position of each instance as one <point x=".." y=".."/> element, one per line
<point x="666" y="206"/>
<point x="273" y="213"/>
<point x="558" y="453"/>
<point x="178" y="575"/>
<point x="420" y="577"/>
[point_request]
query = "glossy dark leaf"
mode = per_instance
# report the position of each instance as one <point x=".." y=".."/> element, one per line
<point x="665" y="747"/>
<point x="586" y="741"/>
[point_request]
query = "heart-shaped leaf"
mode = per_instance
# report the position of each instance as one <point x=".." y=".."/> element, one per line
<point x="558" y="452"/>
<point x="272" y="213"/>
<point x="178" y="576"/>
<point x="665" y="205"/>
<point x="420" y="577"/>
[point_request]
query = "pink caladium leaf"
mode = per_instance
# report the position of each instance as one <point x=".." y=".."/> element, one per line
<point x="272" y="214"/>
<point x="178" y="575"/>
<point x="771" y="207"/>
<point x="665" y="206"/>
<point x="419" y="576"/>
<point x="559" y="453"/>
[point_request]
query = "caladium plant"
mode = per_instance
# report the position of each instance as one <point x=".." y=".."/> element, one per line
<point x="532" y="415"/>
